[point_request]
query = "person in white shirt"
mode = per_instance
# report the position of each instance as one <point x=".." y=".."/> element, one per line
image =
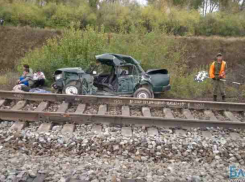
<point x="39" y="79"/>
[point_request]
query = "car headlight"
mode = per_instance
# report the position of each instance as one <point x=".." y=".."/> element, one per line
<point x="146" y="77"/>
<point x="57" y="77"/>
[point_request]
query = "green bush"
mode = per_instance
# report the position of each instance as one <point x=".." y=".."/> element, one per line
<point x="184" y="86"/>
<point x="181" y="22"/>
<point x="222" y="24"/>
<point x="74" y="49"/>
<point x="115" y="17"/>
<point x="118" y="16"/>
<point x="26" y="14"/>
<point x="62" y="15"/>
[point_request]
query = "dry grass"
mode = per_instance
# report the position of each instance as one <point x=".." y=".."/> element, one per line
<point x="15" y="42"/>
<point x="8" y="79"/>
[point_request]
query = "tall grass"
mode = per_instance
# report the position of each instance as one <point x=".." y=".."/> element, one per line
<point x="8" y="79"/>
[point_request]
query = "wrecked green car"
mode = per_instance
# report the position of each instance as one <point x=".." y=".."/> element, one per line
<point x="114" y="75"/>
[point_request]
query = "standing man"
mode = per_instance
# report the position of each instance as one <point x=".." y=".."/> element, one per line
<point x="217" y="73"/>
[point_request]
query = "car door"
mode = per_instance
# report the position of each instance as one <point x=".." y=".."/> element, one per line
<point x="125" y="80"/>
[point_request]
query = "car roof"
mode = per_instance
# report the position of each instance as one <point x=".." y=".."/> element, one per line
<point x="112" y="59"/>
<point x="74" y="69"/>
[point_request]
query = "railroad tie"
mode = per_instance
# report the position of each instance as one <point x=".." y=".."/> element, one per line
<point x="45" y="127"/>
<point x="211" y="115"/>
<point x="80" y="109"/>
<point x="188" y="114"/>
<point x="68" y="128"/>
<point x="18" y="126"/>
<point x="102" y="109"/>
<point x="152" y="131"/>
<point x="97" y="129"/>
<point x="229" y="115"/>
<point x="127" y="131"/>
<point x="42" y="106"/>
<point x="125" y="111"/>
<point x="63" y="107"/>
<point x="19" y="105"/>
<point x="168" y="113"/>
<point x="2" y="102"/>
<point x="146" y="112"/>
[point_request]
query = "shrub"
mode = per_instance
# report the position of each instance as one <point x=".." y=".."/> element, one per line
<point x="184" y="86"/>
<point x="122" y="16"/>
<point x="182" y="22"/>
<point x="74" y="49"/>
<point x="27" y="14"/>
<point x="222" y="24"/>
<point x="63" y="15"/>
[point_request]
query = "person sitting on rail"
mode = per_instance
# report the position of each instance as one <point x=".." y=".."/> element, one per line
<point x="27" y="76"/>
<point x="26" y="79"/>
<point x="39" y="79"/>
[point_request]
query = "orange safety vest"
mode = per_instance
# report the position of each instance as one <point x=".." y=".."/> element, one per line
<point x="221" y="72"/>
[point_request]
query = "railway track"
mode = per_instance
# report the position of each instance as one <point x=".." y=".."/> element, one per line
<point x="141" y="130"/>
<point x="68" y="110"/>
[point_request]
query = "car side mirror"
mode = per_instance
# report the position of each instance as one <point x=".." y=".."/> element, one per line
<point x="94" y="73"/>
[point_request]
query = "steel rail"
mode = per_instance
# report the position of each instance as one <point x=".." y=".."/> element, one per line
<point x="118" y="101"/>
<point x="61" y="118"/>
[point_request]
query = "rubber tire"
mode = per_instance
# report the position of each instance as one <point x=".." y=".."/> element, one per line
<point x="143" y="90"/>
<point x="74" y="84"/>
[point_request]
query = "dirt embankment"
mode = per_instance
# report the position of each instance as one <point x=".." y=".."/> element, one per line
<point x="201" y="50"/>
<point x="15" y="42"/>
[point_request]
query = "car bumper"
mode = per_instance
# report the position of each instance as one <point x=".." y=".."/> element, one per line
<point x="166" y="88"/>
<point x="163" y="89"/>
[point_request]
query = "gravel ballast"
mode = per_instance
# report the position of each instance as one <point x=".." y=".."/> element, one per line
<point x="110" y="156"/>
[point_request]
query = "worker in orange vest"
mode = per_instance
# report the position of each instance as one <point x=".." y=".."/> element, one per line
<point x="217" y="72"/>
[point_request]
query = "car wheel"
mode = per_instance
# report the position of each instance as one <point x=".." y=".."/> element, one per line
<point x="143" y="93"/>
<point x="72" y="89"/>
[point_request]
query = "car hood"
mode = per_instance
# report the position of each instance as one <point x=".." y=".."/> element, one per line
<point x="115" y="59"/>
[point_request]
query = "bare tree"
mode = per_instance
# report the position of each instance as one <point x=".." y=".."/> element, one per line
<point x="208" y="6"/>
<point x="242" y="7"/>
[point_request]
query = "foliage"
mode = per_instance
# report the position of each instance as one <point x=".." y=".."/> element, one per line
<point x="176" y="17"/>
<point x="222" y="24"/>
<point x="184" y="86"/>
<point x="74" y="49"/>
